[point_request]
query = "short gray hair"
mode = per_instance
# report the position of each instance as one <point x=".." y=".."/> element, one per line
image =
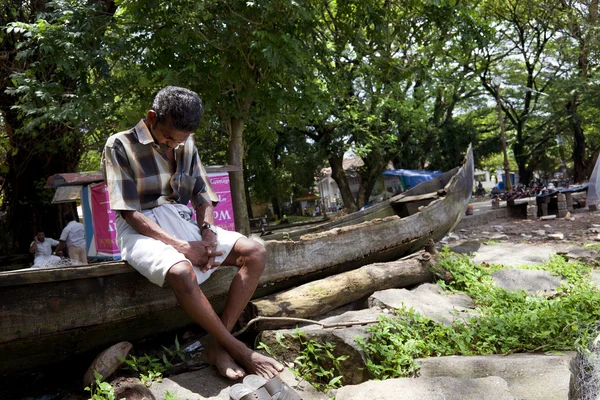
<point x="180" y="107"/>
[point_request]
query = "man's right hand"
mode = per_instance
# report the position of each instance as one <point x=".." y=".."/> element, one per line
<point x="199" y="253"/>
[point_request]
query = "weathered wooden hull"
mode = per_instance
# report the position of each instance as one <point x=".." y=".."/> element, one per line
<point x="49" y="315"/>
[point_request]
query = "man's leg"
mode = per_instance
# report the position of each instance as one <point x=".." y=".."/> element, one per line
<point x="224" y="348"/>
<point x="249" y="256"/>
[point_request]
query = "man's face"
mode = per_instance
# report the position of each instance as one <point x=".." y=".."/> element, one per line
<point x="41" y="236"/>
<point x="164" y="134"/>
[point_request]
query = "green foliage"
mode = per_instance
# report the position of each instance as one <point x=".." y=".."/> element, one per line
<point x="171" y="396"/>
<point x="507" y="322"/>
<point x="151" y="369"/>
<point x="100" y="390"/>
<point x="318" y="364"/>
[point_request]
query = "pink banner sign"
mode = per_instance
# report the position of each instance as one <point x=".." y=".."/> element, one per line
<point x="223" y="212"/>
<point x="103" y="218"/>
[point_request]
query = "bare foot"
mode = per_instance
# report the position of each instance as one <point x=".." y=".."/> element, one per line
<point x="259" y="364"/>
<point x="216" y="355"/>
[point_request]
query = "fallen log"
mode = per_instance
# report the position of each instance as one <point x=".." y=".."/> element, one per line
<point x="318" y="297"/>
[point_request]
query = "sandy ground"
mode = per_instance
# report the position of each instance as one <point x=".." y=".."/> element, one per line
<point x="582" y="229"/>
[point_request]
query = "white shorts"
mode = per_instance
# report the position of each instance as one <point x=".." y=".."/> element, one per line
<point x="153" y="258"/>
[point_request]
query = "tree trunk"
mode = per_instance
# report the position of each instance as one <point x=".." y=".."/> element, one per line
<point x="235" y="156"/>
<point x="370" y="173"/>
<point x="579" y="145"/>
<point x="318" y="297"/>
<point x="248" y="201"/>
<point x="339" y="176"/>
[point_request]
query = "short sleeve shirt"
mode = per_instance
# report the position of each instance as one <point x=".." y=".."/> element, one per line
<point x="139" y="175"/>
<point x="73" y="234"/>
<point x="44" y="249"/>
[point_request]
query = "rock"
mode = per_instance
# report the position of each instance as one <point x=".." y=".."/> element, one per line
<point x="499" y="237"/>
<point x="498" y="228"/>
<point x="509" y="254"/>
<point x="107" y="362"/>
<point x="451" y="237"/>
<point x="568" y="216"/>
<point x="548" y="226"/>
<point x="428" y="300"/>
<point x="208" y="384"/>
<point x="597" y="238"/>
<point x="531" y="281"/>
<point x="595" y="277"/>
<point x="442" y="388"/>
<point x="485" y="233"/>
<point x="546" y="217"/>
<point x="526" y="236"/>
<point x="593" y="207"/>
<point x="539" y="232"/>
<point x="529" y="376"/>
<point x="556" y="236"/>
<point x="466" y="247"/>
<point x="586" y="256"/>
<point x="594" y="230"/>
<point x="131" y="389"/>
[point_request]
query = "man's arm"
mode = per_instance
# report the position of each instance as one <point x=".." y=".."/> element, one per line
<point x="33" y="247"/>
<point x="204" y="213"/>
<point x="59" y="248"/>
<point x="195" y="251"/>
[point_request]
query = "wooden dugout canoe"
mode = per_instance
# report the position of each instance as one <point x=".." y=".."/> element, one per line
<point x="49" y="315"/>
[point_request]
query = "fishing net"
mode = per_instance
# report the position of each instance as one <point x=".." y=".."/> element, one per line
<point x="64" y="262"/>
<point x="585" y="371"/>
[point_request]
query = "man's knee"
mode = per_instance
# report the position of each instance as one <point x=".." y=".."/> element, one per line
<point x="180" y="275"/>
<point x="255" y="255"/>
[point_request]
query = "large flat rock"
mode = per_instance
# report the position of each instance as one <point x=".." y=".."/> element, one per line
<point x="208" y="384"/>
<point x="529" y="376"/>
<point x="440" y="388"/>
<point x="513" y="255"/>
<point x="428" y="300"/>
<point x="531" y="281"/>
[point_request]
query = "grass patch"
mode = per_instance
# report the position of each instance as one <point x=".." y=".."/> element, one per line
<point x="592" y="246"/>
<point x="508" y="322"/>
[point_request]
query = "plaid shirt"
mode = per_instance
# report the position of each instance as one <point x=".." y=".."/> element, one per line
<point x="139" y="175"/>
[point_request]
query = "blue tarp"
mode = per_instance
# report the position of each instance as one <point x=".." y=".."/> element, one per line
<point x="411" y="177"/>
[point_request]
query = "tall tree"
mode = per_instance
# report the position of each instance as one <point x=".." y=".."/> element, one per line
<point x="523" y="58"/>
<point x="579" y="23"/>
<point x="39" y="88"/>
<point x="230" y="53"/>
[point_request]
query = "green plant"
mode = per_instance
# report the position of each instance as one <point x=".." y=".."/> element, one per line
<point x="592" y="246"/>
<point x="100" y="390"/>
<point x="491" y="242"/>
<point x="151" y="369"/>
<point x="317" y="363"/>
<point x="506" y="322"/>
<point x="171" y="396"/>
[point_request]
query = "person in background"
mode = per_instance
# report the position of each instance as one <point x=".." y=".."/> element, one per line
<point x="73" y="237"/>
<point x="42" y="248"/>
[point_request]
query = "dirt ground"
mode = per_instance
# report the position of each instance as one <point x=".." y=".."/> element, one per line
<point x="581" y="229"/>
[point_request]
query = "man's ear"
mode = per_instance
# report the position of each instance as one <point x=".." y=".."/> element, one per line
<point x="151" y="117"/>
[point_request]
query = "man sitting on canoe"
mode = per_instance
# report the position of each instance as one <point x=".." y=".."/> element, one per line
<point x="152" y="171"/>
